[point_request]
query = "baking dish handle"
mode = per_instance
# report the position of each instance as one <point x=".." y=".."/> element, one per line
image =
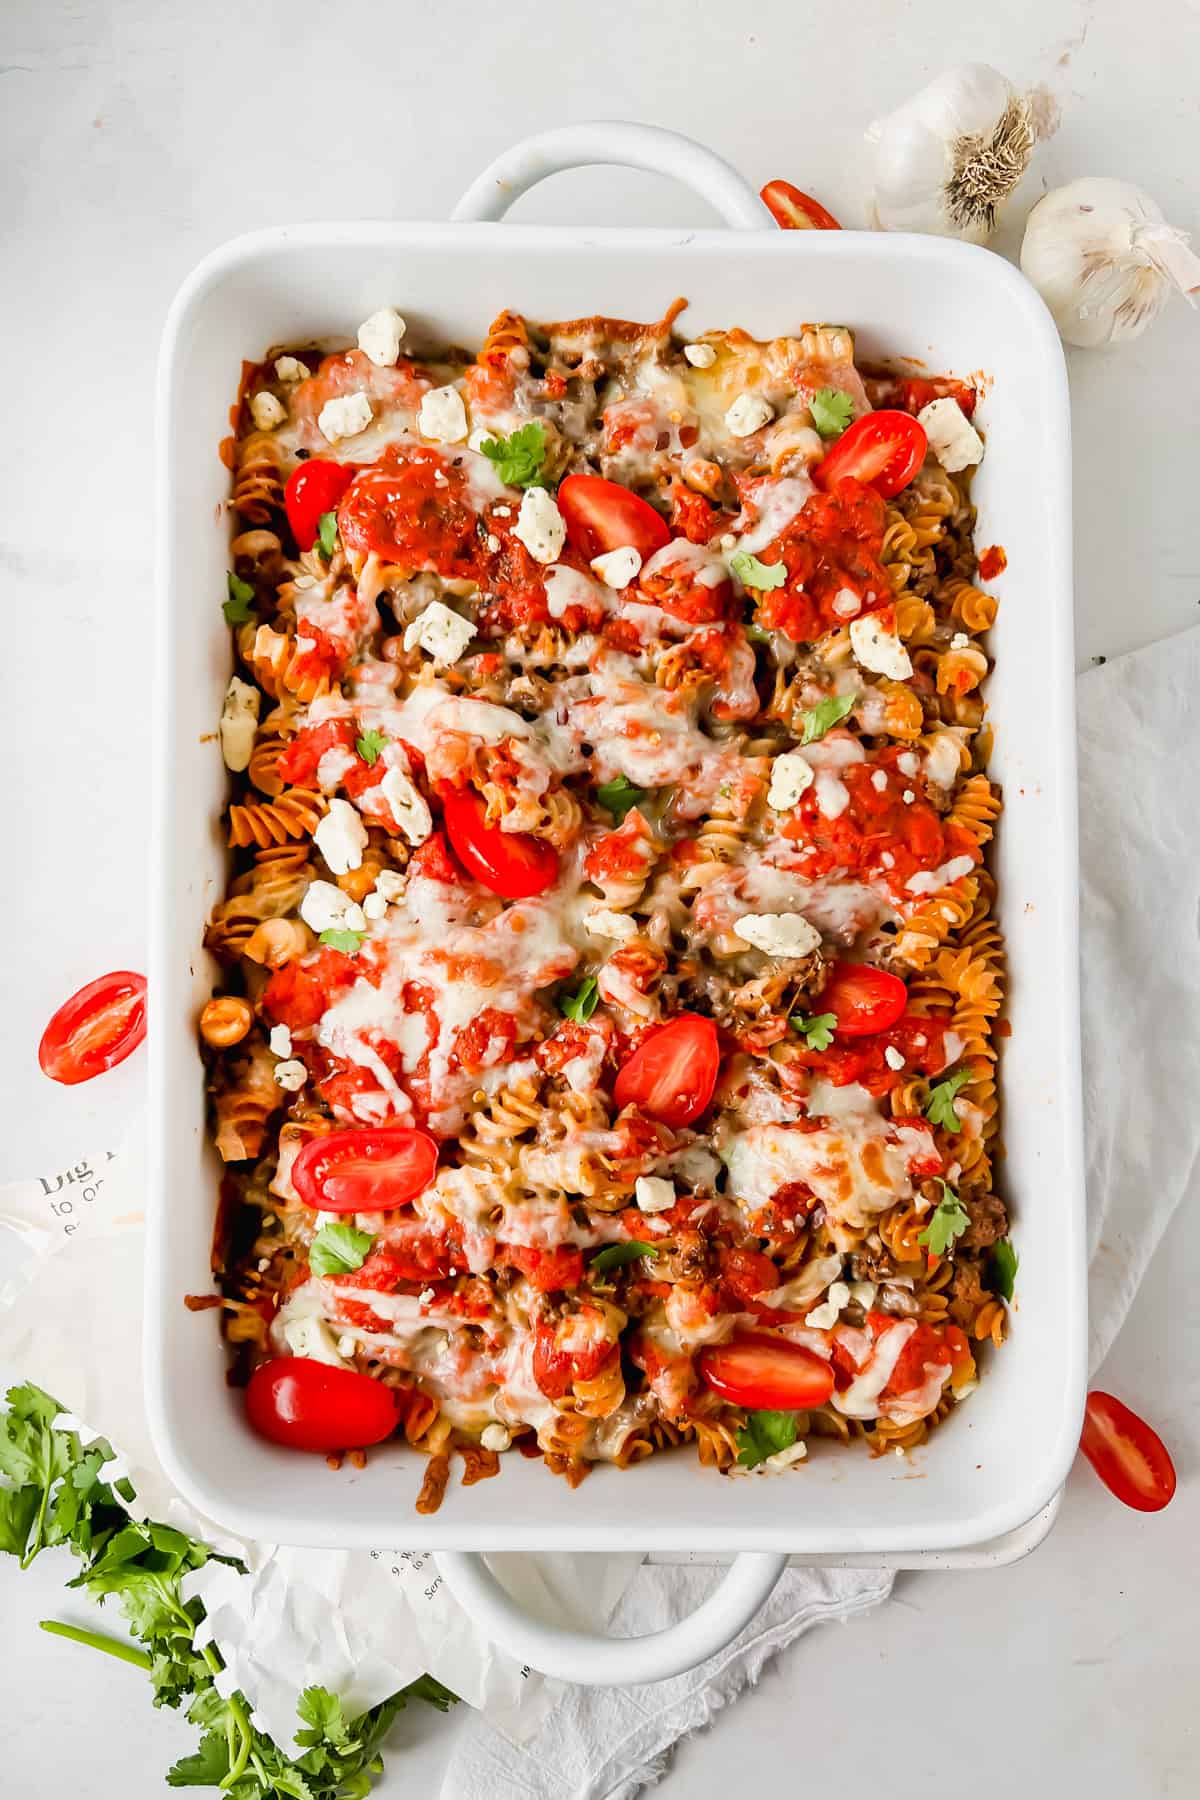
<point x="614" y="141"/>
<point x="597" y="1661"/>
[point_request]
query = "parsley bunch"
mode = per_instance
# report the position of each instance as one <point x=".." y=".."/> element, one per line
<point x="51" y="1495"/>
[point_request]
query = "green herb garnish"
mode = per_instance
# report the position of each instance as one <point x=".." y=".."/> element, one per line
<point x="824" y="716"/>
<point x="339" y="1249"/>
<point x="940" y="1108"/>
<point x="346" y="941"/>
<point x="948" y="1223"/>
<point x="620" y="797"/>
<point x="239" y="608"/>
<point x="831" y="410"/>
<point x="617" y="1254"/>
<point x="582" y="1003"/>
<point x="54" y="1496"/>
<point x="1002" y="1267"/>
<point x="754" y="574"/>
<point x="518" y="458"/>
<point x="816" y="1031"/>
<point x="369" y="745"/>
<point x="327" y="534"/>
<point x="765" y="1434"/>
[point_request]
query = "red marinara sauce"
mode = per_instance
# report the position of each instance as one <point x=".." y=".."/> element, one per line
<point x="833" y="544"/>
<point x="919" y="1037"/>
<point x="879" y="833"/>
<point x="992" y="562"/>
<point x="411" y="508"/>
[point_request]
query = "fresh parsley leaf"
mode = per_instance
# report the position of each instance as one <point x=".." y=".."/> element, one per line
<point x="327" y="534"/>
<point x="369" y="745"/>
<point x="817" y="1030"/>
<point x="754" y="574"/>
<point x="824" y="716"/>
<point x="346" y="941"/>
<point x="831" y="410"/>
<point x="142" y="1564"/>
<point x="239" y="608"/>
<point x="582" y="1003"/>
<point x="518" y="458"/>
<point x="614" y="1256"/>
<point x="337" y="1249"/>
<point x="620" y="797"/>
<point x="949" y="1222"/>
<point x="765" y="1434"/>
<point x="1002" y="1267"/>
<point x="757" y="635"/>
<point x="940" y="1108"/>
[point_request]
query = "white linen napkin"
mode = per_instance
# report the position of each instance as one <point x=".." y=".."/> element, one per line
<point x="1139" y="750"/>
<point x="535" y="1740"/>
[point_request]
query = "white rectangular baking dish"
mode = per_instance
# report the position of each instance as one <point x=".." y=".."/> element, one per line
<point x="957" y="308"/>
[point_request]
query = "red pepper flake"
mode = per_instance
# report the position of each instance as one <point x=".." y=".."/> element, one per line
<point x="993" y="562"/>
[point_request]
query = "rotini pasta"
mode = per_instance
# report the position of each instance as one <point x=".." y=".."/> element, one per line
<point x="604" y="1056"/>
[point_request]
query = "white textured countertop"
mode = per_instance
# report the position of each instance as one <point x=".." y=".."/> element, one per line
<point x="133" y="137"/>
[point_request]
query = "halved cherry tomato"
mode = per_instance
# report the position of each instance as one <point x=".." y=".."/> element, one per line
<point x="1129" y="1457"/>
<point x="883" y="450"/>
<point x="315" y="1406"/>
<point x="602" y="515"/>
<point x="365" y="1171"/>
<point x="511" y="863"/>
<point x="672" y="1073"/>
<point x="95" y="1029"/>
<point x="795" y="210"/>
<point x="766" y="1373"/>
<point x="312" y="490"/>
<point x="862" y="998"/>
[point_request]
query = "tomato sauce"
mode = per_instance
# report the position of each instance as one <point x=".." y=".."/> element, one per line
<point x="411" y="508"/>
<point x="833" y="544"/>
<point x="992" y="562"/>
<point x="880" y="835"/>
<point x="919" y="1038"/>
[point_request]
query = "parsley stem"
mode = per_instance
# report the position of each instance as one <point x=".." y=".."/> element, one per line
<point x="96" y="1641"/>
<point x="237" y="1712"/>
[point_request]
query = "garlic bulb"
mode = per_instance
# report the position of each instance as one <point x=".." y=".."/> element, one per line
<point x="1104" y="260"/>
<point x="947" y="160"/>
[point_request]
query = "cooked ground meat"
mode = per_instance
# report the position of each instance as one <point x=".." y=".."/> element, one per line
<point x="989" y="1221"/>
<point x="967" y="1292"/>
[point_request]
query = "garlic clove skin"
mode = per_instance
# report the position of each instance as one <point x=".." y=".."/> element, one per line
<point x="1104" y="260"/>
<point x="947" y="160"/>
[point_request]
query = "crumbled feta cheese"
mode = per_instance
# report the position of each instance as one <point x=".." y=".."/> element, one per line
<point x="344" y="417"/>
<point x="879" y="649"/>
<point x="864" y="1292"/>
<point x="893" y="1058"/>
<point x="653" y="1193"/>
<point x="441" y="632"/>
<point x="341" y="837"/>
<point x="952" y="437"/>
<point x="617" y="568"/>
<point x="833" y="796"/>
<point x="790" y="775"/>
<point x="701" y="356"/>
<point x="390" y="883"/>
<point x="324" y="907"/>
<point x="502" y="512"/>
<point x="379" y="336"/>
<point x="280" y="1041"/>
<point x="728" y="541"/>
<point x="291" y="1075"/>
<point x="825" y="1317"/>
<point x="603" y="922"/>
<point x="887" y="859"/>
<point x="374" y="906"/>
<point x="540" y="526"/>
<point x="908" y="796"/>
<point x="266" y="411"/>
<point x="346" y="1345"/>
<point x="778" y="934"/>
<point x="907" y="763"/>
<point x="495" y="1437"/>
<point x="310" y="1337"/>
<point x="493" y="542"/>
<point x="846" y="603"/>
<point x="239" y="722"/>
<point x="289" y="368"/>
<point x="408" y="807"/>
<point x="443" y="417"/>
<point x="748" y="414"/>
<point x="879" y="781"/>
<point x="426" y="1295"/>
<point x="959" y="641"/>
